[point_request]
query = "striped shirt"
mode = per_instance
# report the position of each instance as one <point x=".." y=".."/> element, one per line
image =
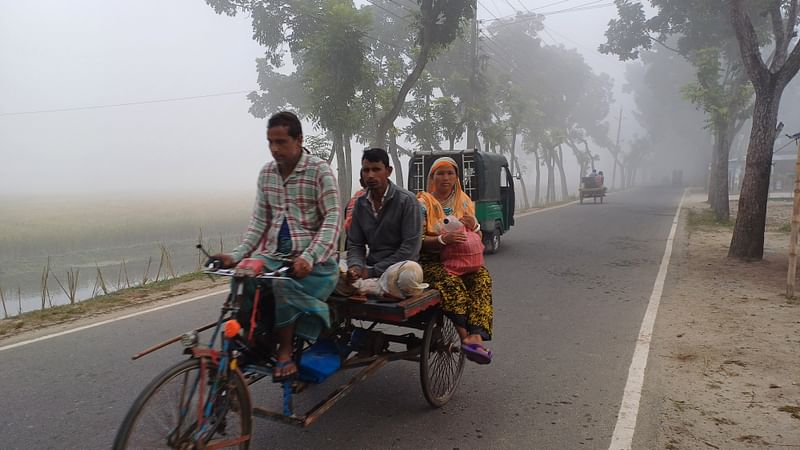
<point x="309" y="202"/>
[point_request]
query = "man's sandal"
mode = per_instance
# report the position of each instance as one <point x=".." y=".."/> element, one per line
<point x="283" y="365"/>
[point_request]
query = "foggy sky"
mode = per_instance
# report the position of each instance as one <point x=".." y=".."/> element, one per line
<point x="63" y="54"/>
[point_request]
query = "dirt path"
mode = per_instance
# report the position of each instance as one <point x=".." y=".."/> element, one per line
<point x="726" y="346"/>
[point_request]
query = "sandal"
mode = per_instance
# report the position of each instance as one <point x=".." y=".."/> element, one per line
<point x="477" y="353"/>
<point x="285" y="376"/>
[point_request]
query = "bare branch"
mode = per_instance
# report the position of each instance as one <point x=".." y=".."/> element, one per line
<point x="748" y="44"/>
<point x="780" y="36"/>
<point x="657" y="41"/>
<point x="792" y="65"/>
<point x="791" y="20"/>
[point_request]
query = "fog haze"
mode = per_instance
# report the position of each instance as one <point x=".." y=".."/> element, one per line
<point x="66" y="55"/>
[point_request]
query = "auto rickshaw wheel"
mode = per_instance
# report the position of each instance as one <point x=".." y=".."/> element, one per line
<point x="491" y="241"/>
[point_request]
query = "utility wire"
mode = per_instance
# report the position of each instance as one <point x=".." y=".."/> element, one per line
<point x="178" y="99"/>
<point x="784" y="146"/>
<point x="117" y="105"/>
<point x="523" y="6"/>
<point x="497" y="8"/>
<point x="515" y="19"/>
<point x="497" y="47"/>
<point x="569" y="39"/>
<point x="550" y="4"/>
<point x="583" y="7"/>
<point x="500" y="50"/>
<point x="487" y="10"/>
<point x="388" y="11"/>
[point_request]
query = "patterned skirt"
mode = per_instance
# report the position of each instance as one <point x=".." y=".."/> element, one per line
<point x="466" y="299"/>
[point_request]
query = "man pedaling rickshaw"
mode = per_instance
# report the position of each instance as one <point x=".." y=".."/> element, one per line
<point x="295" y="223"/>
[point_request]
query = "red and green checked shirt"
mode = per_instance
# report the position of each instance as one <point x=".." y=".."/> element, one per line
<point x="309" y="201"/>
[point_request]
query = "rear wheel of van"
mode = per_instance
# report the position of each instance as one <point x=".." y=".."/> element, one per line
<point x="491" y="240"/>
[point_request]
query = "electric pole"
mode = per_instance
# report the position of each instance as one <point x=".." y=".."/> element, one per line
<point x="472" y="126"/>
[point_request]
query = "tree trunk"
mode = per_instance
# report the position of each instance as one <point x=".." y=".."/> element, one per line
<point x="348" y="156"/>
<point x="537" y="188"/>
<point x="419" y="65"/>
<point x="560" y="163"/>
<point x="583" y="162"/>
<point x="341" y="166"/>
<point x="550" y="193"/>
<point x="614" y="172"/>
<point x="589" y="155"/>
<point x="719" y="190"/>
<point x="769" y="83"/>
<point x="398" y="167"/>
<point x="513" y="161"/>
<point x="712" y="174"/>
<point x="525" y="201"/>
<point x="748" y="233"/>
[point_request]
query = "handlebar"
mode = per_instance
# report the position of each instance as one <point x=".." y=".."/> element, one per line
<point x="212" y="267"/>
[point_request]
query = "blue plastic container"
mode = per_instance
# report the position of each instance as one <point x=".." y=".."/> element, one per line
<point x="319" y="361"/>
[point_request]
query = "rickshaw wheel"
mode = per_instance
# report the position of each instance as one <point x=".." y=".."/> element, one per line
<point x="492" y="241"/>
<point x="165" y="415"/>
<point x="441" y="360"/>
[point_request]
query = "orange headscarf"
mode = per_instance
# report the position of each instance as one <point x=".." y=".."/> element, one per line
<point x="462" y="204"/>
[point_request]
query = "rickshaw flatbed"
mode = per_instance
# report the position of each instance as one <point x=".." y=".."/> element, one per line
<point x="380" y="309"/>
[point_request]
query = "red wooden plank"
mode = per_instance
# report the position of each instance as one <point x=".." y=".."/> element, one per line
<point x="375" y="310"/>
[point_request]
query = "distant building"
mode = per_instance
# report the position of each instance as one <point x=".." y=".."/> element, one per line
<point x="781" y="179"/>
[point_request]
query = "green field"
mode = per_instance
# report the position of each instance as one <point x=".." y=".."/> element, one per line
<point x="90" y="231"/>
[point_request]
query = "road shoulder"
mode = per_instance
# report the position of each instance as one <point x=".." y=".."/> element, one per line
<point x="24" y="328"/>
<point x="724" y="364"/>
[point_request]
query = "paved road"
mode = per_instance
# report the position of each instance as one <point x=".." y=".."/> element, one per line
<point x="570" y="289"/>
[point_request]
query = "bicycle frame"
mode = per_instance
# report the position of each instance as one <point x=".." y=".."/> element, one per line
<point x="222" y="357"/>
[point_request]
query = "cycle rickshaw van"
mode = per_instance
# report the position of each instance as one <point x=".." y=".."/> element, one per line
<point x="485" y="177"/>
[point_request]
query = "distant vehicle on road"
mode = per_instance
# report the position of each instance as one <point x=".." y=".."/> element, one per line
<point x="590" y="189"/>
<point x="485" y="177"/>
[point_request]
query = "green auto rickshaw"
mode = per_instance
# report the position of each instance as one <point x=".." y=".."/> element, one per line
<point x="485" y="177"/>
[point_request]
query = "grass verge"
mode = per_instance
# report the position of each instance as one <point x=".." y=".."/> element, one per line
<point x="704" y="220"/>
<point x="104" y="303"/>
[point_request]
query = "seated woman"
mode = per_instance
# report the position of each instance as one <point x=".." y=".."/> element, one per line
<point x="466" y="299"/>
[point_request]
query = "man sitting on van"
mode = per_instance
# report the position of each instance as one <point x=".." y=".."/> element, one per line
<point x="386" y="227"/>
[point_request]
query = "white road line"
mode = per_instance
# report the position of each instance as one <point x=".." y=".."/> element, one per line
<point x="104" y="322"/>
<point x="622" y="439"/>
<point x="517" y="216"/>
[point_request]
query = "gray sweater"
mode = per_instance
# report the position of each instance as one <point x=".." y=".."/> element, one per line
<point x="394" y="236"/>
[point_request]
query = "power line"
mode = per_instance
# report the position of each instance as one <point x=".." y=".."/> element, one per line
<point x="550" y="4"/>
<point x="116" y="105"/>
<point x="487" y="9"/>
<point x="516" y="18"/>
<point x="569" y="39"/>
<point x="784" y="146"/>
<point x="582" y="7"/>
<point x="523" y="6"/>
<point x="499" y="49"/>
<point x="390" y="12"/>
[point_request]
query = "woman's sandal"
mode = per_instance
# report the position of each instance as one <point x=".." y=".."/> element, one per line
<point x="283" y="365"/>
<point x="477" y="353"/>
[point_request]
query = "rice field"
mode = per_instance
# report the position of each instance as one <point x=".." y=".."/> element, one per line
<point x="116" y="241"/>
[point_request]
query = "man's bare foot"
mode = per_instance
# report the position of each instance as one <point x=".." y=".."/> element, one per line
<point x="284" y="367"/>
